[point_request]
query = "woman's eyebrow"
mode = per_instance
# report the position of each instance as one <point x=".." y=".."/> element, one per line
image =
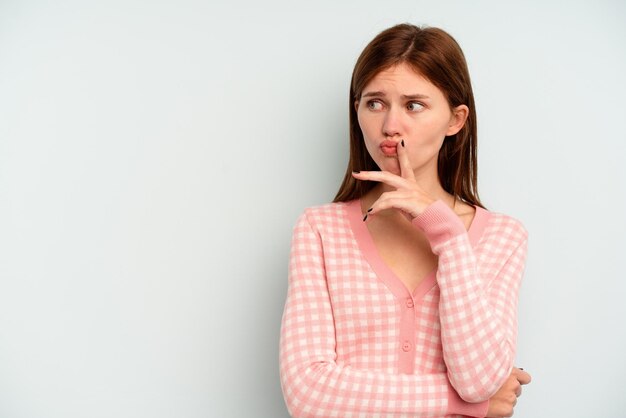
<point x="404" y="96"/>
<point x="415" y="96"/>
<point x="373" y="93"/>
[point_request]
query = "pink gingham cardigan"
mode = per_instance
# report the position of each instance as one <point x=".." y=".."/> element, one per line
<point x="355" y="342"/>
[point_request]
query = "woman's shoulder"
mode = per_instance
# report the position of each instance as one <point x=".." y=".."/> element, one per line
<point x="325" y="213"/>
<point x="504" y="227"/>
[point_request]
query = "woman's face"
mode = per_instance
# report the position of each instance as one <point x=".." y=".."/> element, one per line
<point x="399" y="103"/>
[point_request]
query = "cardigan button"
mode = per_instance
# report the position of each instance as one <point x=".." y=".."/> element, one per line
<point x="406" y="346"/>
<point x="409" y="302"/>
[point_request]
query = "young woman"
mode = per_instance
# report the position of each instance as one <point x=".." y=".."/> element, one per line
<point x="403" y="291"/>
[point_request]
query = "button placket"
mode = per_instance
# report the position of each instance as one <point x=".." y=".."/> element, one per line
<point x="406" y="343"/>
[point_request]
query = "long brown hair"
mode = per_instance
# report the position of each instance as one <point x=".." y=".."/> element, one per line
<point x="435" y="55"/>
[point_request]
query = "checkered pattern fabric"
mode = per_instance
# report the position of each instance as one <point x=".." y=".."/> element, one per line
<point x="345" y="347"/>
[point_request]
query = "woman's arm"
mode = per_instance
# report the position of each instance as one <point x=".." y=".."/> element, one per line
<point x="478" y="313"/>
<point x="314" y="384"/>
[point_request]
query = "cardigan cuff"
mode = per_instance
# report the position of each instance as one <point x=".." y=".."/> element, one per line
<point x="439" y="223"/>
<point x="457" y="406"/>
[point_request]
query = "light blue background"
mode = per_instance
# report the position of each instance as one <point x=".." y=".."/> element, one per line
<point x="155" y="155"/>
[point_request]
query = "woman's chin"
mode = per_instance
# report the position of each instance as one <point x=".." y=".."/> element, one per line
<point x="391" y="166"/>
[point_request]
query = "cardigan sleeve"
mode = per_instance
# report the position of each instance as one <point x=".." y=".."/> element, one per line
<point x="477" y="308"/>
<point x="314" y="384"/>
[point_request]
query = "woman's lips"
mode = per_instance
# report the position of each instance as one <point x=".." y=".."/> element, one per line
<point x="389" y="147"/>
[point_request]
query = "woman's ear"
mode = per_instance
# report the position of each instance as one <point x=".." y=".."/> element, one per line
<point x="356" y="105"/>
<point x="457" y="120"/>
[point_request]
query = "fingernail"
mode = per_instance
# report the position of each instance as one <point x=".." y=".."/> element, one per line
<point x="356" y="171"/>
<point x="365" y="217"/>
<point x="369" y="210"/>
<point x="402" y="142"/>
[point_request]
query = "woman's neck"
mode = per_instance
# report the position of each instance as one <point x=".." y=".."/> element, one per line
<point x="434" y="190"/>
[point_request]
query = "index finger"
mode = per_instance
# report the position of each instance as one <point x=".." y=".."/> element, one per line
<point x="406" y="170"/>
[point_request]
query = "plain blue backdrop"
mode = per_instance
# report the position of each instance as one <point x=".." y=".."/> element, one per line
<point x="154" y="156"/>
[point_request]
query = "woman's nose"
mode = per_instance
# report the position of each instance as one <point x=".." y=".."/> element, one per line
<point x="392" y="123"/>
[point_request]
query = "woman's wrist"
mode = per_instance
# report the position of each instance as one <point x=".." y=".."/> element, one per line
<point x="439" y="223"/>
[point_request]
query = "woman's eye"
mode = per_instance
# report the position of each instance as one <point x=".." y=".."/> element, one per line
<point x="374" y="105"/>
<point x="415" y="106"/>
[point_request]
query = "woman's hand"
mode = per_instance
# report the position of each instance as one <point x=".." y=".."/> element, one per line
<point x="501" y="404"/>
<point x="408" y="196"/>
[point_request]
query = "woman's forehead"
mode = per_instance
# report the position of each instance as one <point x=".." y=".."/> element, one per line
<point x="403" y="79"/>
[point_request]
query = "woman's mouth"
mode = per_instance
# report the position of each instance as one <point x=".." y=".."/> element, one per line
<point x="389" y="147"/>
